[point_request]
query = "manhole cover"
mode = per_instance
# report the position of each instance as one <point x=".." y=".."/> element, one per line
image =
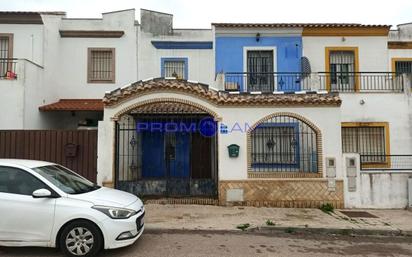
<point x="358" y="214"/>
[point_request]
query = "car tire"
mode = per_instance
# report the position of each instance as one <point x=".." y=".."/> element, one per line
<point x="81" y="239"/>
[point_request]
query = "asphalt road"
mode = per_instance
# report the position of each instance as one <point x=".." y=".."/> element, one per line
<point x="244" y="244"/>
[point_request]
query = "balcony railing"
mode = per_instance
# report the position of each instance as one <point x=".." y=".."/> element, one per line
<point x="8" y="68"/>
<point x="386" y="162"/>
<point x="333" y="82"/>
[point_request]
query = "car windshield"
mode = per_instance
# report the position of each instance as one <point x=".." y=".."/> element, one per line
<point x="66" y="180"/>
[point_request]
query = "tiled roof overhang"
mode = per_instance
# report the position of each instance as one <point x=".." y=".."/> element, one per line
<point x="220" y="98"/>
<point x="13" y="17"/>
<point x="297" y="25"/>
<point x="74" y="105"/>
<point x="315" y="29"/>
<point x="167" y="108"/>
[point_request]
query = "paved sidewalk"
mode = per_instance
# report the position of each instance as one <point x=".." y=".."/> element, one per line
<point x="216" y="218"/>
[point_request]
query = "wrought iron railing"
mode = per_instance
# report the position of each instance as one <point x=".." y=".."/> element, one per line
<point x="8" y="68"/>
<point x="386" y="162"/>
<point x="330" y="81"/>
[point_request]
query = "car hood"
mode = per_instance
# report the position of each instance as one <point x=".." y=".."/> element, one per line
<point x="108" y="197"/>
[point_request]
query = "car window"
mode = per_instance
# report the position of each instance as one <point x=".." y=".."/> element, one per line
<point x="65" y="179"/>
<point x="17" y="181"/>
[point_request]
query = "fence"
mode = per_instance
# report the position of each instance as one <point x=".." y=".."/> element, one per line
<point x="75" y="149"/>
<point x="330" y="81"/>
<point x="386" y="162"/>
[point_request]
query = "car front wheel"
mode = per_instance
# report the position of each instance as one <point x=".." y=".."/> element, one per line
<point x="81" y="238"/>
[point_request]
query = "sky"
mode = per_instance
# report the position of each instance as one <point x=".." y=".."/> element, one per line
<point x="199" y="14"/>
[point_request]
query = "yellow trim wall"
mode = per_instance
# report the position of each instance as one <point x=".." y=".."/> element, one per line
<point x="385" y="125"/>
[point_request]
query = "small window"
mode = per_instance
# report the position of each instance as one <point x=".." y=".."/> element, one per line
<point x="342" y="68"/>
<point x="6" y="54"/>
<point x="174" y="67"/>
<point x="101" y="65"/>
<point x="366" y="140"/>
<point x="16" y="181"/>
<point x="402" y="67"/>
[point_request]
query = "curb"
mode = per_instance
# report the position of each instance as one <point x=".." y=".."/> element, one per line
<point x="269" y="230"/>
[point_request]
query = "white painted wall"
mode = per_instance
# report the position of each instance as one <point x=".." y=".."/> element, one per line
<point x="27" y="45"/>
<point x="11" y="100"/>
<point x="377" y="189"/>
<point x="70" y="78"/>
<point x="200" y="61"/>
<point x="390" y="107"/>
<point x="373" y="51"/>
<point x="27" y="41"/>
<point x="326" y="118"/>
<point x="63" y="61"/>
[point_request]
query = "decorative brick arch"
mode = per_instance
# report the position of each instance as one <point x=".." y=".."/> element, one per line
<point x="166" y="100"/>
<point x="319" y="149"/>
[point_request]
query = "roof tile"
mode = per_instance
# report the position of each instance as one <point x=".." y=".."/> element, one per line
<point x="218" y="97"/>
<point x="74" y="105"/>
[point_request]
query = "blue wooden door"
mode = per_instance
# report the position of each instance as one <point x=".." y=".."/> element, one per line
<point x="153" y="159"/>
<point x="180" y="164"/>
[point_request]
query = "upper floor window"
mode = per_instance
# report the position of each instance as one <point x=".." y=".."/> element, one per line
<point x="342" y="68"/>
<point x="101" y="65"/>
<point x="260" y="70"/>
<point x="403" y="66"/>
<point x="6" y="54"/>
<point x="174" y="67"/>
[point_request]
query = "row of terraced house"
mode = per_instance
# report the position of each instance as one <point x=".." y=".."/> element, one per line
<point x="262" y="114"/>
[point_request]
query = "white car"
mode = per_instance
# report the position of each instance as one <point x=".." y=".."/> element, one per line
<point x="45" y="204"/>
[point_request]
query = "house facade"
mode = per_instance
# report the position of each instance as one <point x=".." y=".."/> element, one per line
<point x="286" y="115"/>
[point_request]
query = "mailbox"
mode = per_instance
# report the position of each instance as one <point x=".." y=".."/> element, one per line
<point x="233" y="150"/>
<point x="70" y="150"/>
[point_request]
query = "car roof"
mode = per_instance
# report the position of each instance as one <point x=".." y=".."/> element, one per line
<point x="25" y="163"/>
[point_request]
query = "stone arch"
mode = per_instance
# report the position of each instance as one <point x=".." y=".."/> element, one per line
<point x="310" y="124"/>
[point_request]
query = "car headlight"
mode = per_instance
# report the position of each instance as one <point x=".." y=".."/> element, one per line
<point x="114" y="212"/>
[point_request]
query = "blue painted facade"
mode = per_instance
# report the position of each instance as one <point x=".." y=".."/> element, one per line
<point x="229" y="53"/>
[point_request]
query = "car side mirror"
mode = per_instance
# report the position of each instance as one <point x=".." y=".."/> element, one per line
<point x="42" y="193"/>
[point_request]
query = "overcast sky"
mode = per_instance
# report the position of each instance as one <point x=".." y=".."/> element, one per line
<point x="200" y="13"/>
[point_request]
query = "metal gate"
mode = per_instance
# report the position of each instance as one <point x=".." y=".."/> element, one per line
<point x="166" y="155"/>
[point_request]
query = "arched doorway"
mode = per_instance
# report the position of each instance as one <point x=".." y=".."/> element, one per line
<point x="167" y="148"/>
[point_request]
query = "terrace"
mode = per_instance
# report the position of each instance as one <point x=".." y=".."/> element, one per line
<point x="343" y="82"/>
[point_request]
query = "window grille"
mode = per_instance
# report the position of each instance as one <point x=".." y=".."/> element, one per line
<point x="284" y="144"/>
<point x="365" y="141"/>
<point x="175" y="69"/>
<point x="101" y="65"/>
<point x="403" y="67"/>
<point x="342" y="68"/>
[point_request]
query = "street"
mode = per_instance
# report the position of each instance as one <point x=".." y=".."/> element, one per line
<point x="244" y="244"/>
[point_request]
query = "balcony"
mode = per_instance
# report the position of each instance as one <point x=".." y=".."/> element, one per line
<point x="8" y="69"/>
<point x="344" y="82"/>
